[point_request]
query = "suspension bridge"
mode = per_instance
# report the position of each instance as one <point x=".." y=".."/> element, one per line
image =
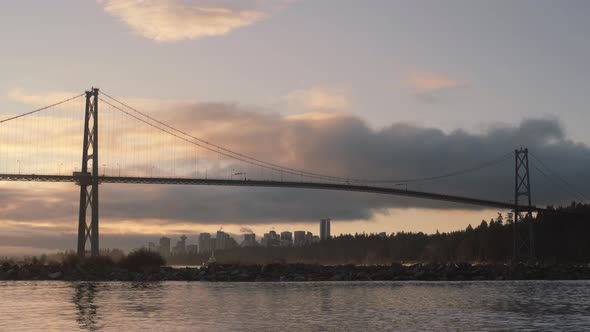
<point x="43" y="145"/>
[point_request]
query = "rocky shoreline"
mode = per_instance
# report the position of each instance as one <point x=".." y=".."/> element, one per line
<point x="301" y="272"/>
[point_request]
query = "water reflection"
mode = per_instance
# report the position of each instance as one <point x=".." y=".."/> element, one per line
<point x="139" y="299"/>
<point x="84" y="299"/>
<point x="143" y="298"/>
<point x="338" y="306"/>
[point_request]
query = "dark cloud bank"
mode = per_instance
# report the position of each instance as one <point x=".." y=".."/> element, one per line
<point x="341" y="145"/>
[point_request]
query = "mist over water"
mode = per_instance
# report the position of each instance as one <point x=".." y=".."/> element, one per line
<point x="332" y="306"/>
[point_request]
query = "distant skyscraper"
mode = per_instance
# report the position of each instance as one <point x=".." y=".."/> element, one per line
<point x="271" y="239"/>
<point x="221" y="240"/>
<point x="180" y="245"/>
<point x="165" y="246"/>
<point x="286" y="239"/>
<point x="299" y="239"/>
<point x="308" y="238"/>
<point x="205" y="244"/>
<point x="324" y="229"/>
<point x="249" y="240"/>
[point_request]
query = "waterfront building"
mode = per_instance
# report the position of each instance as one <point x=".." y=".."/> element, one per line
<point x="264" y="240"/>
<point x="205" y="243"/>
<point x="286" y="239"/>
<point x="180" y="247"/>
<point x="299" y="238"/>
<point x="308" y="238"/>
<point x="249" y="240"/>
<point x="324" y="229"/>
<point x="165" y="246"/>
<point x="221" y="240"/>
<point x="271" y="239"/>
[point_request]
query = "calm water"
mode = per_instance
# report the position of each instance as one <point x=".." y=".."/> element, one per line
<point x="354" y="306"/>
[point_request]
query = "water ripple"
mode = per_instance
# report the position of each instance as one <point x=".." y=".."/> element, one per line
<point x="306" y="306"/>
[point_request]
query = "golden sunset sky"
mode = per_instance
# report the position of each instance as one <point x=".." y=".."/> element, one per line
<point x="373" y="89"/>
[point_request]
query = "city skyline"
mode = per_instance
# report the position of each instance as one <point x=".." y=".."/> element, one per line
<point x="352" y="100"/>
<point x="297" y="165"/>
<point x="206" y="242"/>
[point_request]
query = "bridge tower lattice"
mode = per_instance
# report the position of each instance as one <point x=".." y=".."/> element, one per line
<point x="88" y="181"/>
<point x="524" y="244"/>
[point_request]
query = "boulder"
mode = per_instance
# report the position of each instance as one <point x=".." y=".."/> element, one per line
<point x="24" y="274"/>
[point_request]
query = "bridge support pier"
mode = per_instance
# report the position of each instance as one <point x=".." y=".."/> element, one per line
<point x="87" y="181"/>
<point x="524" y="244"/>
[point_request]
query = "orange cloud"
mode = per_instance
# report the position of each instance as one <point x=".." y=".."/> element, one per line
<point x="319" y="99"/>
<point x="315" y="116"/>
<point x="431" y="81"/>
<point x="173" y="20"/>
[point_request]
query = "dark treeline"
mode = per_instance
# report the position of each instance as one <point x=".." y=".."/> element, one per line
<point x="561" y="236"/>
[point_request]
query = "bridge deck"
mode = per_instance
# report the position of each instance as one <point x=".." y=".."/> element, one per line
<point x="274" y="184"/>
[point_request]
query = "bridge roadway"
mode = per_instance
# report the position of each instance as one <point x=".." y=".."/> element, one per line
<point x="272" y="184"/>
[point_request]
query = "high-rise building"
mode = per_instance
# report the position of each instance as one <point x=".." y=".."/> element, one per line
<point x="286" y="239"/>
<point x="271" y="239"/>
<point x="249" y="240"/>
<point x="205" y="244"/>
<point x="221" y="240"/>
<point x="308" y="238"/>
<point x="264" y="240"/>
<point x="164" y="246"/>
<point x="299" y="238"/>
<point x="180" y="247"/>
<point x="324" y="229"/>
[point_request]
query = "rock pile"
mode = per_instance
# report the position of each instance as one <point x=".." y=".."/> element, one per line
<point x="303" y="272"/>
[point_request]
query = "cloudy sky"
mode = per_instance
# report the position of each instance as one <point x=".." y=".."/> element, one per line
<point x="367" y="89"/>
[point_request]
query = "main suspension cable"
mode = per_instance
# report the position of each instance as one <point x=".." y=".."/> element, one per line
<point x="274" y="166"/>
<point x="565" y="184"/>
<point x="41" y="109"/>
<point x="254" y="161"/>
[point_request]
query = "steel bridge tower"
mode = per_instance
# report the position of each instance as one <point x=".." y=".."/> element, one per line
<point x="88" y="181"/>
<point x="524" y="244"/>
